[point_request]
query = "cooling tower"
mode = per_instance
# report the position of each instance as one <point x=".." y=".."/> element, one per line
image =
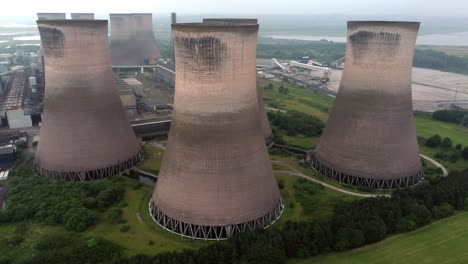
<point x="51" y="16"/>
<point x="85" y="134"/>
<point x="46" y="16"/>
<point x="370" y="137"/>
<point x="85" y="16"/>
<point x="216" y="177"/>
<point x="265" y="124"/>
<point x="132" y="40"/>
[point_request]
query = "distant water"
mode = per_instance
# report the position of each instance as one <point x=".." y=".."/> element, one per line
<point x="451" y="39"/>
<point x="27" y="38"/>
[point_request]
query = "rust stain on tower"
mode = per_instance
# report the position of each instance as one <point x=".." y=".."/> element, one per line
<point x="132" y="40"/>
<point x="216" y="177"/>
<point x="85" y="134"/>
<point x="370" y="138"/>
<point x="265" y="124"/>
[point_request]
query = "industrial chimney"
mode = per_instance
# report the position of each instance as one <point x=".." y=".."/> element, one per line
<point x="216" y="177"/>
<point x="265" y="124"/>
<point x="132" y="40"/>
<point x="85" y="134"/>
<point x="88" y="16"/>
<point x="370" y="138"/>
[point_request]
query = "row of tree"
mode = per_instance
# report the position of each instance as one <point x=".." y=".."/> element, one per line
<point x="352" y="225"/>
<point x="452" y="116"/>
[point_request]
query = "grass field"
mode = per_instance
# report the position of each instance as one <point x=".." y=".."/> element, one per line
<point x="321" y="200"/>
<point x="427" y="127"/>
<point x="442" y="242"/>
<point x="153" y="158"/>
<point x="144" y="235"/>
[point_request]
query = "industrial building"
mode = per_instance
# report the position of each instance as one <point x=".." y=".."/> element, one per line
<point x="11" y="103"/>
<point x="132" y="40"/>
<point x="370" y="138"/>
<point x="127" y="97"/>
<point x="84" y="16"/>
<point x="85" y="134"/>
<point x="265" y="124"/>
<point x="7" y="158"/>
<point x="216" y="177"/>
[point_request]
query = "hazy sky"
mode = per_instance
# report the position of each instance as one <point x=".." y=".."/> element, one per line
<point x="25" y="8"/>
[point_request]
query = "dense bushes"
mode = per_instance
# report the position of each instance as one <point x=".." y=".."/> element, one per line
<point x="451" y="116"/>
<point x="296" y="123"/>
<point x="58" y="202"/>
<point x="353" y="224"/>
<point x="434" y="141"/>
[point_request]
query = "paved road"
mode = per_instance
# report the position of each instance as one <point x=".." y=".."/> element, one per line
<point x="297" y="173"/>
<point x="444" y="170"/>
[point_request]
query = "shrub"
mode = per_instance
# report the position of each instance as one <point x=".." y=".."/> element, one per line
<point x="434" y="141"/>
<point x="124" y="228"/>
<point x="114" y="214"/>
<point x="446" y="142"/>
<point x="458" y="147"/>
<point x="465" y="152"/>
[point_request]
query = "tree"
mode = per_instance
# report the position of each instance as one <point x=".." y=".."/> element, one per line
<point x="458" y="147"/>
<point x="465" y="153"/>
<point x="446" y="142"/>
<point x="263" y="253"/>
<point x="434" y="141"/>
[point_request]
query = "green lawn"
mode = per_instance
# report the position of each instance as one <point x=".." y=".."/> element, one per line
<point x="461" y="163"/>
<point x="137" y="239"/>
<point x="427" y="127"/>
<point x="154" y="156"/>
<point x="442" y="242"/>
<point x="322" y="200"/>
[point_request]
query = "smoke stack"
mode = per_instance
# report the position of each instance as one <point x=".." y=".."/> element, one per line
<point x="85" y="16"/>
<point x="85" y="134"/>
<point x="265" y="124"/>
<point x="370" y="138"/>
<point x="216" y="177"/>
<point x="132" y="40"/>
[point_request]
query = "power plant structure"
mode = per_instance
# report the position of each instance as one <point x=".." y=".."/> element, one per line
<point x="85" y="134"/>
<point x="85" y="16"/>
<point x="216" y="178"/>
<point x="46" y="16"/>
<point x="370" y="138"/>
<point x="132" y="40"/>
<point x="265" y="124"/>
<point x="51" y="16"/>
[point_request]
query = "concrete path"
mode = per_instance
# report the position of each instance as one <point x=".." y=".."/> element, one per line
<point x="444" y="170"/>
<point x="297" y="173"/>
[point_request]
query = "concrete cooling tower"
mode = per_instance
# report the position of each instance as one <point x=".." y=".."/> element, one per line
<point x="216" y="177"/>
<point x="265" y="124"/>
<point x="370" y="137"/>
<point x="85" y="134"/>
<point x="132" y="40"/>
<point x="46" y="16"/>
<point x="51" y="16"/>
<point x="85" y="16"/>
